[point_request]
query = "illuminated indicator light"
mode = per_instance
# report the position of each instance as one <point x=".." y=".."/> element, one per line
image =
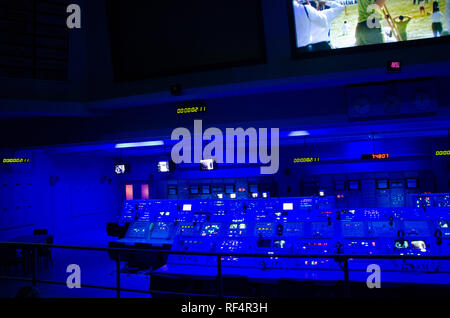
<point x="298" y="133"/>
<point x="394" y="66"/>
<point x="140" y="144"/>
<point x="144" y="192"/>
<point x="129" y="192"/>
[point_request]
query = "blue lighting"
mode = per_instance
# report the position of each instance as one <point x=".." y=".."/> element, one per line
<point x="298" y="133"/>
<point x="140" y="144"/>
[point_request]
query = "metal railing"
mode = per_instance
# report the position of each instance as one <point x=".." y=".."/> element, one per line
<point x="340" y="258"/>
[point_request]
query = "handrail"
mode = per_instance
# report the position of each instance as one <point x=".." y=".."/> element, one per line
<point x="344" y="258"/>
<point x="145" y="250"/>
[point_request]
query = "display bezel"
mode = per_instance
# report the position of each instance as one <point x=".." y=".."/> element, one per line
<point x="296" y="54"/>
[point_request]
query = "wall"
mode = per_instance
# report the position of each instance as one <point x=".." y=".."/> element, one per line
<point x="65" y="193"/>
<point x="409" y="158"/>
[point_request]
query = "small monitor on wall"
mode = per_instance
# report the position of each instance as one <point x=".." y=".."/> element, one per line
<point x="354" y="185"/>
<point x="411" y="183"/>
<point x="229" y="188"/>
<point x="253" y="188"/>
<point x="121" y="168"/>
<point x="339" y="185"/>
<point x="382" y="184"/>
<point x="288" y="206"/>
<point x="172" y="190"/>
<point x="163" y="166"/>
<point x="206" y="189"/>
<point x="187" y="207"/>
<point x="193" y="189"/>
<point x="166" y="166"/>
<point x="208" y="164"/>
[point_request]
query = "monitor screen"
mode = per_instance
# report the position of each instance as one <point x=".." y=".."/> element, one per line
<point x="121" y="168"/>
<point x="401" y="244"/>
<point x="163" y="166"/>
<point x="411" y="183"/>
<point x="207" y="164"/>
<point x="187" y="207"/>
<point x="382" y="184"/>
<point x="229" y="188"/>
<point x="159" y="38"/>
<point x="253" y="188"/>
<point x="339" y="185"/>
<point x="279" y="244"/>
<point x="206" y="189"/>
<point x="419" y="245"/>
<point x="339" y="24"/>
<point x="172" y="190"/>
<point x="288" y="206"/>
<point x="354" y="185"/>
<point x="193" y="189"/>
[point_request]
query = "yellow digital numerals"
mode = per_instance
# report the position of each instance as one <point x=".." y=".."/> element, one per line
<point x="191" y="110"/>
<point x="442" y="152"/>
<point x="16" y="160"/>
<point x="306" y="160"/>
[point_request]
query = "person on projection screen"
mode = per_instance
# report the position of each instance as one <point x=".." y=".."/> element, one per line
<point x="368" y="30"/>
<point x="313" y="26"/>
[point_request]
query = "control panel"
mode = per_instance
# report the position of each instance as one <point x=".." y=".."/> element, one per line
<point x="294" y="226"/>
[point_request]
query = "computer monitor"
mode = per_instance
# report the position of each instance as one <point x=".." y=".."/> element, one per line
<point x="121" y="168"/>
<point x="166" y="166"/>
<point x="208" y="164"/>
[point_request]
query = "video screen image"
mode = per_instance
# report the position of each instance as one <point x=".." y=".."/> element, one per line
<point x="336" y="24"/>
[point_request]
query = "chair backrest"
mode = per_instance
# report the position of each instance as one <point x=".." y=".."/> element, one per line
<point x="113" y="254"/>
<point x="112" y="229"/>
<point x="40" y="232"/>
<point x="49" y="239"/>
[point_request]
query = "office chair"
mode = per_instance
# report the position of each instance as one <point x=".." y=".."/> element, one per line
<point x="40" y="232"/>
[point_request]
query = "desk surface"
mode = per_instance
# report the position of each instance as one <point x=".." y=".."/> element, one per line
<point x="273" y="275"/>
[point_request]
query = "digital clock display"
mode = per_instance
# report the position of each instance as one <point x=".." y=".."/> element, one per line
<point x="191" y="109"/>
<point x="306" y="160"/>
<point x="394" y="66"/>
<point x="375" y="156"/>
<point x="442" y="152"/>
